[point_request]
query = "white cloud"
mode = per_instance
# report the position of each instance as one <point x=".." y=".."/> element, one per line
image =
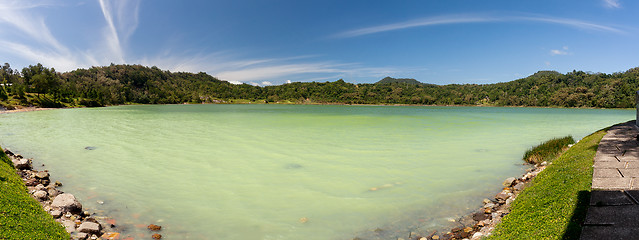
<point x="266" y="83"/>
<point x="563" y="51"/>
<point x="288" y="81"/>
<point x="122" y="20"/>
<point x="30" y="38"/>
<point x="457" y="19"/>
<point x="612" y="3"/>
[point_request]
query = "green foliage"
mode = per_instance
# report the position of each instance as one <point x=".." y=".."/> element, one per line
<point x="22" y="217"/>
<point x="555" y="204"/>
<point x="398" y="80"/>
<point x="125" y="84"/>
<point x="547" y="150"/>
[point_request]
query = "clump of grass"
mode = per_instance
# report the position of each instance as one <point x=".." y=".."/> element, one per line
<point x="21" y="216"/>
<point x="548" y="150"/>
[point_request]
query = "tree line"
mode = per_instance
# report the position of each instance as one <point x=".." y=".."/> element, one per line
<point x="37" y="85"/>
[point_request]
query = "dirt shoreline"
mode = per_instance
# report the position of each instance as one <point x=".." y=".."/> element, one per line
<point x="24" y="109"/>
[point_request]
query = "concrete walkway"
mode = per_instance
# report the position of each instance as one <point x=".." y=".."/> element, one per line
<point x="614" y="201"/>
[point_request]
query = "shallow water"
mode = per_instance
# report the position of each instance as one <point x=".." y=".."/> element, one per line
<point x="260" y="171"/>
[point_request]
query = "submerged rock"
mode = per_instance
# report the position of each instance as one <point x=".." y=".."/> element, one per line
<point x="293" y="166"/>
<point x="90" y="148"/>
<point x="90" y="227"/>
<point x="154" y="227"/>
<point x="66" y="202"/>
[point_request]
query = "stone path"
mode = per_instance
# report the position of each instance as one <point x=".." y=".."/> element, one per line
<point x="614" y="201"/>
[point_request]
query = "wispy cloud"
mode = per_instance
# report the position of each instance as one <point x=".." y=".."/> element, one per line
<point x="612" y="3"/>
<point x="122" y="20"/>
<point x="26" y="34"/>
<point x="458" y="19"/>
<point x="414" y="23"/>
<point x="562" y="51"/>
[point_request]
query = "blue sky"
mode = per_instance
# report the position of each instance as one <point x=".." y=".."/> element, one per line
<point x="276" y="41"/>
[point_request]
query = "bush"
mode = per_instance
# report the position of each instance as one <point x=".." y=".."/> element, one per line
<point x="548" y="150"/>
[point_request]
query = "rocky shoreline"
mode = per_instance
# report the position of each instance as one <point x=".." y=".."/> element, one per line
<point x="80" y="223"/>
<point x="482" y="221"/>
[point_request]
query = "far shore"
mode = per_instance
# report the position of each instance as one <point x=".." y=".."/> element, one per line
<point x="25" y="109"/>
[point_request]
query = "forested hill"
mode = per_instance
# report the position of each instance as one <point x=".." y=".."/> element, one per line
<point x="398" y="80"/>
<point x="125" y="84"/>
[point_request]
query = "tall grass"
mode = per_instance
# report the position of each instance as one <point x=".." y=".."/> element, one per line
<point x="548" y="150"/>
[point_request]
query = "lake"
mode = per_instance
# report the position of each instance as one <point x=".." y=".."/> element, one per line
<point x="288" y="171"/>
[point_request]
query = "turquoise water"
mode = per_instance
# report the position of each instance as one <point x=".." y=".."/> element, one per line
<point x="288" y="171"/>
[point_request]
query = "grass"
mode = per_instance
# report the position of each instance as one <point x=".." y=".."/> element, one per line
<point x="22" y="217"/>
<point x="555" y="204"/>
<point x="548" y="150"/>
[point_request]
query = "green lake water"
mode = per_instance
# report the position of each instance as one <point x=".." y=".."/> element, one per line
<point x="258" y="171"/>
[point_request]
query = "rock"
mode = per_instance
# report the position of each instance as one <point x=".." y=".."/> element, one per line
<point x="509" y="181"/>
<point x="479" y="216"/>
<point x="42" y="175"/>
<point x="489" y="205"/>
<point x="56" y="213"/>
<point x="435" y="237"/>
<point x="477" y="236"/>
<point x="90" y="148"/>
<point x="93" y="237"/>
<point x="23" y="164"/>
<point x="486" y="201"/>
<point x="58" y="184"/>
<point x="67" y="203"/>
<point x="8" y="152"/>
<point x="53" y="192"/>
<point x="41" y="195"/>
<point x="68" y="225"/>
<point x="111" y="235"/>
<point x="519" y="186"/>
<point x="156" y="236"/>
<point x="40" y="187"/>
<point x="544" y="163"/>
<point x="90" y="227"/>
<point x="154" y="227"/>
<point x="502" y="196"/>
<point x="18" y="156"/>
<point x="509" y="201"/>
<point x="31" y="182"/>
<point x="80" y="236"/>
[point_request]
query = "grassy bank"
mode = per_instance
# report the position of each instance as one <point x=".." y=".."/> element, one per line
<point x="556" y="202"/>
<point x="22" y="217"/>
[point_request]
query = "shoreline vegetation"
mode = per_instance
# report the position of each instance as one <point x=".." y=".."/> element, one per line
<point x="40" y="86"/>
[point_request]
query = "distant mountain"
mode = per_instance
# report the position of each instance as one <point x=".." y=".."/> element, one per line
<point x="398" y="80"/>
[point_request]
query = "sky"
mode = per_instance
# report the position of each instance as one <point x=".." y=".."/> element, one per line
<point x="272" y="42"/>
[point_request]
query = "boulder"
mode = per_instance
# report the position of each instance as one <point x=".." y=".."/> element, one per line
<point x="68" y="225"/>
<point x="90" y="228"/>
<point x="42" y="175"/>
<point x="502" y="196"/>
<point x="56" y="213"/>
<point x="40" y="194"/>
<point x="519" y="186"/>
<point x="31" y="182"/>
<point x="156" y="236"/>
<point x="8" y="152"/>
<point x="67" y="203"/>
<point x="509" y="181"/>
<point x="23" y="164"/>
<point x="53" y="192"/>
<point x="80" y="236"/>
